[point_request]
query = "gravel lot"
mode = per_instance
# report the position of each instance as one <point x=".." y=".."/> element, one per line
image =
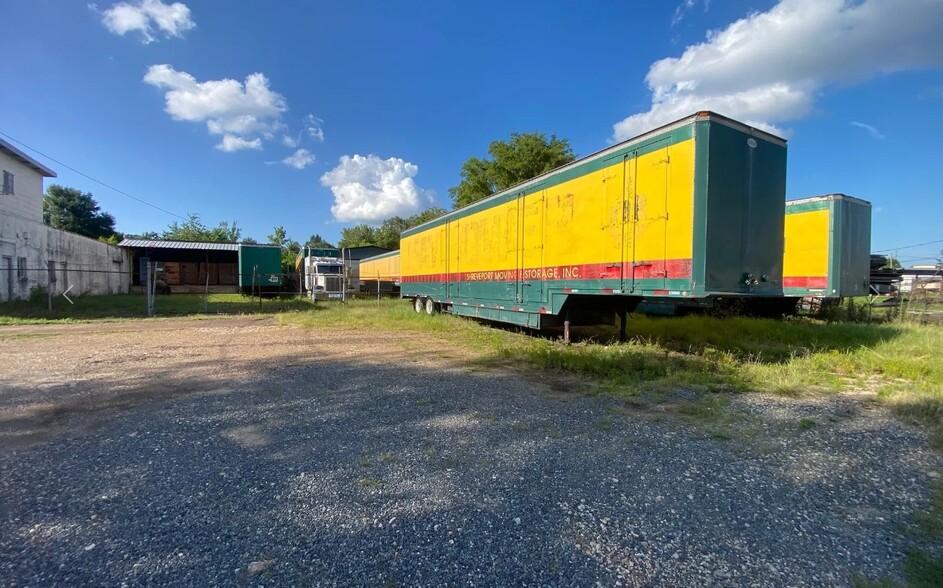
<point x="236" y="452"/>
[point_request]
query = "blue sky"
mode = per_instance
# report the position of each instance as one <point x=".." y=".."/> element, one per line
<point x="203" y="106"/>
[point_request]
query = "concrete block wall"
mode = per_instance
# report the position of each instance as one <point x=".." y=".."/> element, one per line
<point x="28" y="247"/>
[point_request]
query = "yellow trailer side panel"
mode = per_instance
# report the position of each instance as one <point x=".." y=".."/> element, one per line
<point x="805" y="251"/>
<point x="384" y="269"/>
<point x="558" y="226"/>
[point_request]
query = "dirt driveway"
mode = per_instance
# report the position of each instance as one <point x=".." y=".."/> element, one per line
<point x="234" y="451"/>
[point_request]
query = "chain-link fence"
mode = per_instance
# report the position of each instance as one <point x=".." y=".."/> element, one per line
<point x="60" y="290"/>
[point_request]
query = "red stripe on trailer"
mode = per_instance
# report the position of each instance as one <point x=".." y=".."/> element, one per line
<point x="660" y="292"/>
<point x="640" y="269"/>
<point x="606" y="290"/>
<point x="805" y="281"/>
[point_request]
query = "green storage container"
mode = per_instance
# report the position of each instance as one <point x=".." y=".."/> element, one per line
<point x="263" y="262"/>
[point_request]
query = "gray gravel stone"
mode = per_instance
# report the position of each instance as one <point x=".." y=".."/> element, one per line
<point x="423" y="473"/>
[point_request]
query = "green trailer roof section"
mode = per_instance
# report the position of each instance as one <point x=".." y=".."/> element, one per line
<point x="261" y="263"/>
<point x="849" y="243"/>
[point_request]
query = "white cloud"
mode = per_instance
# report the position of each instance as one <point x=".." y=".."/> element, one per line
<point x="290" y="142"/>
<point x="682" y="10"/>
<point x="232" y="143"/>
<point x="170" y="19"/>
<point x="875" y="134"/>
<point x="299" y="159"/>
<point x="769" y="67"/>
<point x="248" y="111"/>
<point x="370" y="189"/>
<point x="312" y="126"/>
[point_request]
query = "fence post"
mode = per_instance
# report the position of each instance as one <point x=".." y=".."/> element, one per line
<point x="206" y="293"/>
<point x="151" y="286"/>
<point x="48" y="287"/>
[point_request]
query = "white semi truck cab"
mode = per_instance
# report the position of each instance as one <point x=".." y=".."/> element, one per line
<point x="326" y="278"/>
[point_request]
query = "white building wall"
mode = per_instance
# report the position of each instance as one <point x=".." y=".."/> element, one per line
<point x="27" y="199"/>
<point x="89" y="266"/>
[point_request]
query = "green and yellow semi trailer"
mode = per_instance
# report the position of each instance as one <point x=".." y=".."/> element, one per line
<point x="380" y="273"/>
<point x="827" y="248"/>
<point x="687" y="214"/>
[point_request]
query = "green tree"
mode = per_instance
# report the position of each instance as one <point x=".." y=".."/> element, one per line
<point x="426" y="216"/>
<point x="71" y="210"/>
<point x="524" y="156"/>
<point x="387" y="235"/>
<point x="147" y="235"/>
<point x="225" y="232"/>
<point x="892" y="263"/>
<point x="113" y="239"/>
<point x="316" y="241"/>
<point x="193" y="229"/>
<point x="290" y="248"/>
<point x="357" y="236"/>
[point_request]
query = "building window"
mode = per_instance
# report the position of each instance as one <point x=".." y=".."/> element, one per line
<point x="7" y="183"/>
<point x="21" y="268"/>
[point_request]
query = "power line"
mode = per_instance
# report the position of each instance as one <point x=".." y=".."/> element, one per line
<point x="892" y="249"/>
<point x="123" y="193"/>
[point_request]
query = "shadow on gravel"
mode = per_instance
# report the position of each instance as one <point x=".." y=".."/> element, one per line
<point x="336" y="472"/>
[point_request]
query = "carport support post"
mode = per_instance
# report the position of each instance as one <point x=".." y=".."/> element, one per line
<point x="566" y="332"/>
<point x="151" y="279"/>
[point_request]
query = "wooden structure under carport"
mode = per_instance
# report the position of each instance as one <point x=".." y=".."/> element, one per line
<point x="186" y="265"/>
